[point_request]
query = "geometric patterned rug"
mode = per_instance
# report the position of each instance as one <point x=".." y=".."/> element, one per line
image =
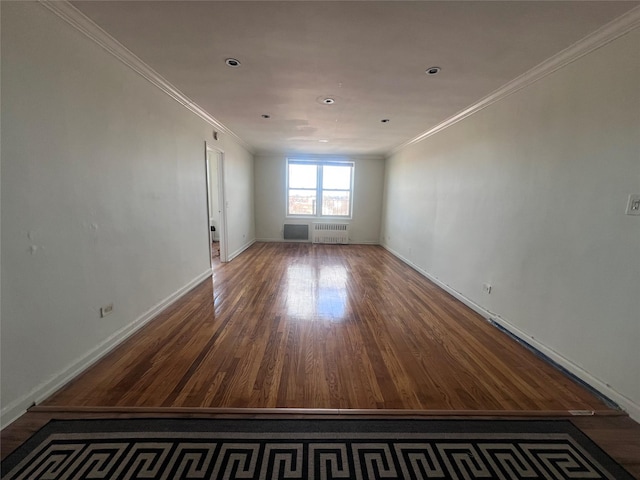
<point x="174" y="449"/>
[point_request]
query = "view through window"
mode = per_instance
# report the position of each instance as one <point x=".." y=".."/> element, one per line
<point x="322" y="189"/>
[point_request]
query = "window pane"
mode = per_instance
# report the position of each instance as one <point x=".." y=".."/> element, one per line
<point x="336" y="177"/>
<point x="335" y="203"/>
<point x="302" y="202"/>
<point x="302" y="176"/>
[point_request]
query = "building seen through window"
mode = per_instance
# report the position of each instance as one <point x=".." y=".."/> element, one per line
<point x="322" y="189"/>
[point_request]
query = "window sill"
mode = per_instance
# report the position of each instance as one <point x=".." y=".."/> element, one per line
<point x="320" y="219"/>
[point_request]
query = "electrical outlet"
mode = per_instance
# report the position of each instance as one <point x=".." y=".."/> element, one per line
<point x="486" y="288"/>
<point x="106" y="310"/>
<point x="633" y="204"/>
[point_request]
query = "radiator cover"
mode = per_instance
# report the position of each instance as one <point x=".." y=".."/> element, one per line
<point x="337" y="233"/>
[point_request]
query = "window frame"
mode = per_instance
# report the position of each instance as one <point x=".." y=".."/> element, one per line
<point x="320" y="164"/>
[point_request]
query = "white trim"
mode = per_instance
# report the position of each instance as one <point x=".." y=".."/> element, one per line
<point x="628" y="405"/>
<point x="319" y="163"/>
<point x="281" y="240"/>
<point x="82" y="23"/>
<point x="277" y="240"/>
<point x="632" y="408"/>
<point x="241" y="249"/>
<point x="221" y="165"/>
<point x="591" y="42"/>
<point x="15" y="409"/>
<point x="210" y="233"/>
<point x="588" y="44"/>
<point x="223" y="232"/>
<point x="321" y="157"/>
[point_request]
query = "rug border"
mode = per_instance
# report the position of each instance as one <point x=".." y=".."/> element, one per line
<point x="322" y="425"/>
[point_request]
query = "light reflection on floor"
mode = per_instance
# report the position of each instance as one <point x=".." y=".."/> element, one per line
<point x="316" y="292"/>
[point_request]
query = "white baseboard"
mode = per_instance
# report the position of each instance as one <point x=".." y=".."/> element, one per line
<point x="241" y="249"/>
<point x="281" y="240"/>
<point x="625" y="403"/>
<point x="15" y="409"/>
<point x="628" y="405"/>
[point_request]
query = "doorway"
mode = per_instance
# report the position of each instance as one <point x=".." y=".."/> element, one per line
<point x="217" y="225"/>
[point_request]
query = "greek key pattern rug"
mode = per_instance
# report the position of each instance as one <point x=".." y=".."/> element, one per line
<point x="309" y="449"/>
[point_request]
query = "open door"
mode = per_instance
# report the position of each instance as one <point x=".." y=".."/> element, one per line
<point x="216" y="213"/>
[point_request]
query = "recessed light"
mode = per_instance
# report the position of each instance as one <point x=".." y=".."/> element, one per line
<point x="264" y="115"/>
<point x="323" y="141"/>
<point x="385" y="120"/>
<point x="326" y="99"/>
<point x="232" y="62"/>
<point x="433" y="70"/>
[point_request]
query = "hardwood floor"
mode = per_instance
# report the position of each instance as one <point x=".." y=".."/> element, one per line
<point x="322" y="326"/>
<point x="342" y="328"/>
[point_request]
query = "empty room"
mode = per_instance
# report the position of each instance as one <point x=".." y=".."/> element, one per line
<point x="369" y="239"/>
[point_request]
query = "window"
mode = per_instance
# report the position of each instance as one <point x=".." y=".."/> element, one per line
<point x="320" y="189"/>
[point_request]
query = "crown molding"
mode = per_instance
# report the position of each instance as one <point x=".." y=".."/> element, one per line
<point x="604" y="35"/>
<point x="82" y="23"/>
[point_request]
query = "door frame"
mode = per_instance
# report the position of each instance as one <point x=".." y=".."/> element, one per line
<point x="218" y="154"/>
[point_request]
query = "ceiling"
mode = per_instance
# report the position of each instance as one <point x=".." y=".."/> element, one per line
<point x="370" y="56"/>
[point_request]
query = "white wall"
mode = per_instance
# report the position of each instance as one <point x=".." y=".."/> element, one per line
<point x="529" y="195"/>
<point x="270" y="196"/>
<point x="103" y="201"/>
<point x="239" y="197"/>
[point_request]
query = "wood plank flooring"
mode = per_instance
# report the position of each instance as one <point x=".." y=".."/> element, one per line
<point x="323" y="327"/>
<point x="334" y="329"/>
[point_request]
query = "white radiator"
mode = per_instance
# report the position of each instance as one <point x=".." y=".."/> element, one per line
<point x="330" y="233"/>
